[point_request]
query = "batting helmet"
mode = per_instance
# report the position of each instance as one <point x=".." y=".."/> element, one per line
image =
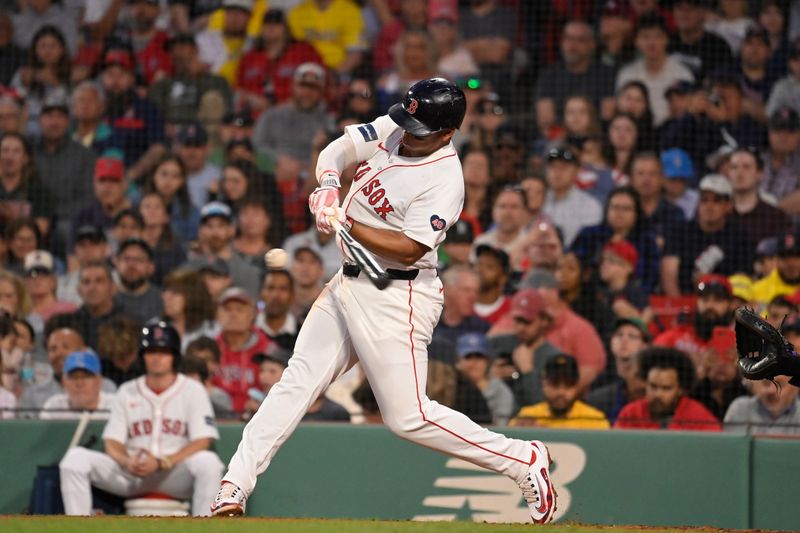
<point x="430" y="106"/>
<point x="159" y="334"/>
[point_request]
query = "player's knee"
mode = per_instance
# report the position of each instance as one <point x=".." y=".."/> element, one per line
<point x="76" y="460"/>
<point x="404" y="425"/>
<point x="205" y="462"/>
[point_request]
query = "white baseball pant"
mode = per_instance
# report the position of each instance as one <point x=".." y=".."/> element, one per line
<point x="390" y="331"/>
<point x="197" y="477"/>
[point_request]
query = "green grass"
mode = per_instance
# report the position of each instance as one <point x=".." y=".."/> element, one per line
<point x="61" y="524"/>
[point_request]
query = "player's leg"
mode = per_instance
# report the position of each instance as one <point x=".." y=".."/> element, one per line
<point x="197" y="477"/>
<point x="321" y="352"/>
<point x="81" y="468"/>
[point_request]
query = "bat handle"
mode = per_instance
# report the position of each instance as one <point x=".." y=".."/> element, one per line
<point x="335" y="224"/>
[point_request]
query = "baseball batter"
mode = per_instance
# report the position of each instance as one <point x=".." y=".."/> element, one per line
<point x="407" y="191"/>
<point x="156" y="439"/>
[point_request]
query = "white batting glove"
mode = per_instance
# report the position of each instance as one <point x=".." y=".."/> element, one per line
<point x="324" y="219"/>
<point x="325" y="196"/>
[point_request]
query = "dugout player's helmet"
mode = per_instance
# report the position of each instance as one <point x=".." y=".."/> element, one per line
<point x="159" y="334"/>
<point x="430" y="106"/>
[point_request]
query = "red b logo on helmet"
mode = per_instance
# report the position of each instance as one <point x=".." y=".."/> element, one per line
<point x="412" y="107"/>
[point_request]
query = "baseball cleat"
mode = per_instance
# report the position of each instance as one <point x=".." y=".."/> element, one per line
<point x="230" y="501"/>
<point x="537" y="488"/>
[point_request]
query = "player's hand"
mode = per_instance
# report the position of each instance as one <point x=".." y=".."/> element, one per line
<point x="324" y="219"/>
<point x="322" y="197"/>
<point x="144" y="464"/>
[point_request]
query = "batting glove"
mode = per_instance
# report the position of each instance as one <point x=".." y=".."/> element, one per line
<point x="325" y="196"/>
<point x="324" y="219"/>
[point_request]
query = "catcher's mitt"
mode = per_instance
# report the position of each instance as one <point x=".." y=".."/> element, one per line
<point x="763" y="352"/>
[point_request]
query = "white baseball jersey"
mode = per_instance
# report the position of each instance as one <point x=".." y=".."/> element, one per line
<point x="58" y="408"/>
<point x="161" y="423"/>
<point x="420" y="196"/>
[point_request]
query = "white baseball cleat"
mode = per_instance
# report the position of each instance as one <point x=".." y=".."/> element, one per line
<point x="230" y="501"/>
<point x="537" y="489"/>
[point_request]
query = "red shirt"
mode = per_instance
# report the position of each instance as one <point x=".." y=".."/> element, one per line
<point x="498" y="313"/>
<point x="257" y="70"/>
<point x="382" y="57"/>
<point x="684" y="339"/>
<point x="237" y="372"/>
<point x="153" y="58"/>
<point x="574" y="335"/>
<point x="690" y="415"/>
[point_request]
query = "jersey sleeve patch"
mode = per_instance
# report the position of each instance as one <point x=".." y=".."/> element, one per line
<point x="368" y="132"/>
<point x="210" y="421"/>
<point x="438" y="223"/>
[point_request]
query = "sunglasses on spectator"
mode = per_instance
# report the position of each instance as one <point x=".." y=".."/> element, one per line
<point x="365" y="94"/>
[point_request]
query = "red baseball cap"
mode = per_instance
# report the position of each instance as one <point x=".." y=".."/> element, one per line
<point x="527" y="304"/>
<point x="714" y="284"/>
<point x="109" y="167"/>
<point x="117" y="56"/>
<point x="624" y="250"/>
<point x="443" y="10"/>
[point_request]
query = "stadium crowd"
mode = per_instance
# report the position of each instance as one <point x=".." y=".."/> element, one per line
<point x="632" y="175"/>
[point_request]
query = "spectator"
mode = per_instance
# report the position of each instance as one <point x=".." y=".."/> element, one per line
<point x="207" y="349"/>
<point x="753" y="72"/>
<point x="195" y="368"/>
<point x="714" y="309"/>
<point x="33" y="16"/>
<point x="64" y="165"/>
<point x="474" y="362"/>
<point x="11" y="111"/>
<point x="413" y="15"/>
<point x="270" y="371"/>
<point x="786" y="92"/>
<point x="629" y="337"/>
<point x="621" y="146"/>
<point x="137" y="297"/>
<point x="40" y="282"/>
<point x="680" y="96"/>
<point x="508" y="156"/>
<point x="784" y="279"/>
<point x="333" y="28"/>
<point x="546" y="246"/>
<point x="109" y="196"/>
<point x="127" y="224"/>
<point x="171" y="180"/>
<point x="578" y="73"/>
<point x="46" y="76"/>
<point x="97" y="291"/>
<point x="11" y="360"/>
<point x="729" y="117"/>
<point x="461" y="285"/>
<point x="188" y="307"/>
<point x="457" y="246"/>
<point x="254" y="236"/>
<point x="508" y="217"/>
<point x="521" y="354"/>
<point x="779" y="309"/>
<point x="11" y="55"/>
<point x="215" y="239"/>
<point x="535" y="188"/>
<point x="750" y="212"/>
<point x="679" y="175"/>
<point x="239" y="340"/>
<point x="137" y="124"/>
<point x="489" y="32"/>
<point x="149" y="40"/>
<point x="214" y="273"/>
<point x="168" y="252"/>
<point x="656" y="69"/>
<point x="455" y="60"/>
<point x="731" y="22"/>
<point x="8" y="401"/>
<point x="633" y="99"/>
<point x="22" y="193"/>
<point x="711" y="243"/>
<point x="287" y="129"/>
<point x="619" y="291"/>
<point x="615" y="34"/>
<point x="624" y="221"/>
<point x="494" y="269"/>
<point x="87" y="107"/>
<point x="577" y="287"/>
<point x="118" y="347"/>
<point x="415" y="59"/>
<point x="773" y="409"/>
<point x="324" y="409"/>
<point x="782" y="160"/>
<point x="243" y="182"/>
<point x="700" y="51"/>
<point x="669" y="375"/>
<point x="323" y="244"/>
<point x="565" y="204"/>
<point x="191" y="91"/>
<point x="561" y="407"/>
<point x="81" y="380"/>
<point x="222" y="49"/>
<point x="719" y="381"/>
<point x="647" y="178"/>
<point x="307" y="271"/>
<point x="134" y="461"/>
<point x="22" y="236"/>
<point x="200" y="174"/>
<point x="90" y="246"/>
<point x="266" y="72"/>
<point x="277" y="321"/>
<point x="477" y="189"/>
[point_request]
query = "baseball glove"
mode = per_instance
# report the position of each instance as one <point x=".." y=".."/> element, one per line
<point x="763" y="352"/>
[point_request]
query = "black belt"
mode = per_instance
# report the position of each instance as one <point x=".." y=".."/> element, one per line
<point x="352" y="271"/>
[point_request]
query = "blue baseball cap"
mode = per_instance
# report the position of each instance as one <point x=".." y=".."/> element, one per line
<point x="472" y="343"/>
<point x="215" y="209"/>
<point x="82" y="360"/>
<point x="677" y="164"/>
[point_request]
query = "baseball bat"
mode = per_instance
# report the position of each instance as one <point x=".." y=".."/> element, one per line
<point x="363" y="257"/>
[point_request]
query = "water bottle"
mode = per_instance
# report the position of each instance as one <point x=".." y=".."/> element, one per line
<point x="26" y="371"/>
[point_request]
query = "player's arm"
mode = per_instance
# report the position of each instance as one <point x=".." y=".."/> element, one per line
<point x="389" y="243"/>
<point x="117" y="451"/>
<point x="333" y="159"/>
<point x="169" y="461"/>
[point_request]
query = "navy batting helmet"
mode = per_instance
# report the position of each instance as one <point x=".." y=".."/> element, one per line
<point x="159" y="334"/>
<point x="430" y="106"/>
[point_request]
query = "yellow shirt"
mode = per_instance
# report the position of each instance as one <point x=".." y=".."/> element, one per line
<point x="217" y="19"/>
<point x="581" y="416"/>
<point x="235" y="46"/>
<point x="764" y="290"/>
<point x="332" y="32"/>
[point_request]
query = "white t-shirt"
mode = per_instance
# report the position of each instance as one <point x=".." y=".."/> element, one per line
<point x="58" y="408"/>
<point x="161" y="423"/>
<point x="419" y="196"/>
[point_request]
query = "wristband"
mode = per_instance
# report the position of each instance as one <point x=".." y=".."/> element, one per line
<point x="164" y="463"/>
<point x="329" y="178"/>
